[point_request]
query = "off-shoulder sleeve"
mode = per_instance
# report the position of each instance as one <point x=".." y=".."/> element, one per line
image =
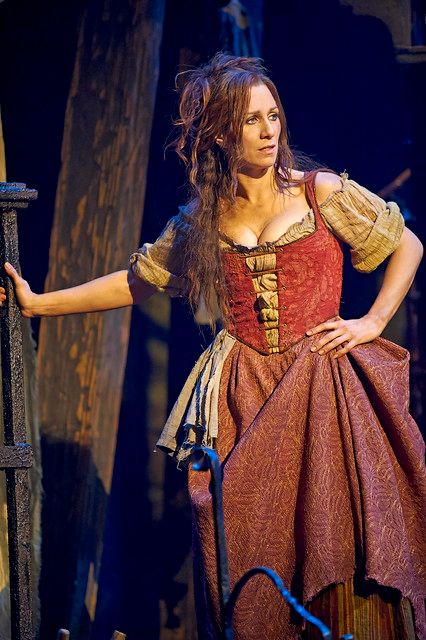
<point x="371" y="226"/>
<point x="161" y="263"/>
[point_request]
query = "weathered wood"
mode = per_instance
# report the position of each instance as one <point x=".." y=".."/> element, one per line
<point x="97" y="223"/>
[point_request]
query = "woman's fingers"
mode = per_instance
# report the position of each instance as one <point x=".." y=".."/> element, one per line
<point x="20" y="285"/>
<point x="319" y="345"/>
<point x="11" y="271"/>
<point x="333" y="323"/>
<point x="3" y="290"/>
<point x="343" y="335"/>
<point x="333" y="344"/>
<point x="345" y="348"/>
<point x="330" y="341"/>
<point x="337" y="337"/>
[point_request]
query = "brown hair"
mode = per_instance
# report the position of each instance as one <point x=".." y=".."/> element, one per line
<point x="214" y="99"/>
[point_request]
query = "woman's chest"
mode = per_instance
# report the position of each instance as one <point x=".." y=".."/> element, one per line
<point x="252" y="225"/>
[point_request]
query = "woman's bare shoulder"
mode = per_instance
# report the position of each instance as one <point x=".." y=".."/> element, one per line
<point x="326" y="183"/>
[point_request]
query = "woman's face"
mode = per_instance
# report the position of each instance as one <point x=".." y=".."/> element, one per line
<point x="261" y="130"/>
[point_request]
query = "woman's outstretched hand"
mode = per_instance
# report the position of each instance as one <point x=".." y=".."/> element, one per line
<point x="344" y="334"/>
<point x="113" y="291"/>
<point x="22" y="289"/>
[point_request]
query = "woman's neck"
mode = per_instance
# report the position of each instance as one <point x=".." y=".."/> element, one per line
<point x="256" y="188"/>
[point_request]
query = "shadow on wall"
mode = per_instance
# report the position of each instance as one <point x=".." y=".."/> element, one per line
<point x="66" y="472"/>
<point x="133" y="569"/>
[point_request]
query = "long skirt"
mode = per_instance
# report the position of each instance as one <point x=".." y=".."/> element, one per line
<point x="324" y="482"/>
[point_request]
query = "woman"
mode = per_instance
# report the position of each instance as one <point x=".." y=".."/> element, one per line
<point x="322" y="464"/>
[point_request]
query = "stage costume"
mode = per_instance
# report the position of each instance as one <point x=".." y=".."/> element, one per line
<point x="323" y="471"/>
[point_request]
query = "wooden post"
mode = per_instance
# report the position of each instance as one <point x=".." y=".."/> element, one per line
<point x="81" y="358"/>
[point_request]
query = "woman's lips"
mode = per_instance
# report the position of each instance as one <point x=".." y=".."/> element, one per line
<point x="269" y="149"/>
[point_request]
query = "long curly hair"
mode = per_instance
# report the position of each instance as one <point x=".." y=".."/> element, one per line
<point x="214" y="99"/>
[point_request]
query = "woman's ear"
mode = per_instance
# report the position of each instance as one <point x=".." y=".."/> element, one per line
<point x="219" y="141"/>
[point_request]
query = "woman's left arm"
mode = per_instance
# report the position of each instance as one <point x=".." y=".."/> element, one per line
<point x="399" y="275"/>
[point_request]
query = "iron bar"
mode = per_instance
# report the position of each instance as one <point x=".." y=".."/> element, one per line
<point x="16" y="455"/>
<point x="274" y="577"/>
<point x="205" y="459"/>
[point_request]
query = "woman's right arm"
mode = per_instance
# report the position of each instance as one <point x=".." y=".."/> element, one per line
<point x="115" y="290"/>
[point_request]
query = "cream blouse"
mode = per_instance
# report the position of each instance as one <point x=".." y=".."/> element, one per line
<point x="370" y="226"/>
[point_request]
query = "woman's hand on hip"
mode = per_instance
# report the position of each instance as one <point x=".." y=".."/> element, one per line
<point x="344" y="334"/>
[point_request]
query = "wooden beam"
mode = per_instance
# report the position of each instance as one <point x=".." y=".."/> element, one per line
<point x="81" y="358"/>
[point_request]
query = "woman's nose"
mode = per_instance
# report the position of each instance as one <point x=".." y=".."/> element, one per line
<point x="267" y="129"/>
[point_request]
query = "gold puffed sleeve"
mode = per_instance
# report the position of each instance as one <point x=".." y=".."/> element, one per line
<point x="161" y="263"/>
<point x="368" y="224"/>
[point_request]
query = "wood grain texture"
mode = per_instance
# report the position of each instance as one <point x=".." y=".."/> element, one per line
<point x="81" y="358"/>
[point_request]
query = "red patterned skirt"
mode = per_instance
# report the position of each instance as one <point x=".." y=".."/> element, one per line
<point x="323" y="480"/>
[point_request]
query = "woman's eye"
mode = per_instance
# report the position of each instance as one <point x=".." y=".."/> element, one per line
<point x="272" y="117"/>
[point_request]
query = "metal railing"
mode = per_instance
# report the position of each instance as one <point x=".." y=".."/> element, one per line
<point x="15" y="453"/>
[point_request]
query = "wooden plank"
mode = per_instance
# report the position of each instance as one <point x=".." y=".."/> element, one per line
<point x="97" y="223"/>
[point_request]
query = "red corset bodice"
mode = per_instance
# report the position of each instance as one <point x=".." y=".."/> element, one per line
<point x="276" y="293"/>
